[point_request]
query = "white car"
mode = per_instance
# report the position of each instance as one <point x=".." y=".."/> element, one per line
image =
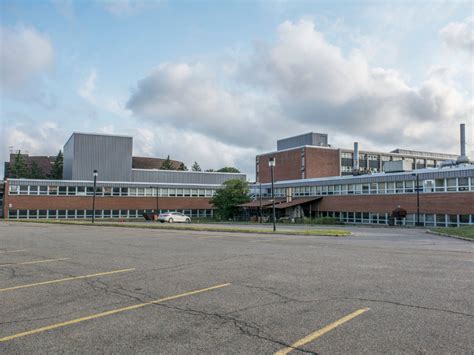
<point x="173" y="217"/>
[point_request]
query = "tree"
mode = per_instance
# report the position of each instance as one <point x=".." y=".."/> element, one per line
<point x="35" y="171"/>
<point x="227" y="200"/>
<point x="57" y="169"/>
<point x="196" y="167"/>
<point x="182" y="167"/>
<point x="167" y="164"/>
<point x="228" y="169"/>
<point x="18" y="168"/>
<point x="209" y="170"/>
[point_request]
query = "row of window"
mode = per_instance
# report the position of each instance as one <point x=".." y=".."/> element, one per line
<point x="108" y="191"/>
<point x="393" y="187"/>
<point x="428" y="220"/>
<point x="81" y="214"/>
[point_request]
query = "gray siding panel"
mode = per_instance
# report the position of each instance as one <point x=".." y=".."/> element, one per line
<point x="111" y="156"/>
<point x="68" y="156"/>
<point x="313" y="139"/>
<point x="183" y="177"/>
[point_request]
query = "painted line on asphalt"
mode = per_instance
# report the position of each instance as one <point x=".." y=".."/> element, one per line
<point x="315" y="335"/>
<point x="65" y="279"/>
<point x="12" y="251"/>
<point x="33" y="262"/>
<point x="108" y="313"/>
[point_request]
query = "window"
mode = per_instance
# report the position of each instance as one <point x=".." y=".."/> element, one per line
<point x="33" y="214"/>
<point x="164" y="192"/>
<point x="124" y="191"/>
<point x="24" y="190"/>
<point x="453" y="220"/>
<point x="464" y="219"/>
<point x="409" y="186"/>
<point x="81" y="191"/>
<point x="451" y="184"/>
<point x="208" y="193"/>
<point x="116" y="191"/>
<point x="13" y="214"/>
<point x="107" y="191"/>
<point x="52" y="213"/>
<point x="80" y="213"/>
<point x="61" y="214"/>
<point x="90" y="191"/>
<point x="440" y="220"/>
<point x="399" y="187"/>
<point x="373" y="188"/>
<point x="14" y="190"/>
<point x="140" y="191"/>
<point x="381" y="187"/>
<point x="365" y="188"/>
<point x="116" y="213"/>
<point x="179" y="192"/>
<point x="390" y="187"/>
<point x="429" y="220"/>
<point x="22" y="214"/>
<point x="463" y="184"/>
<point x="71" y="190"/>
<point x="172" y="192"/>
<point x="43" y="190"/>
<point x="71" y="214"/>
<point x="350" y="189"/>
<point x="439" y="185"/>
<point x="62" y="190"/>
<point x="358" y="189"/>
<point x="33" y="190"/>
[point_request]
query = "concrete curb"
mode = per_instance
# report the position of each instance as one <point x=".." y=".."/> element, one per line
<point x="449" y="235"/>
<point x="215" y="230"/>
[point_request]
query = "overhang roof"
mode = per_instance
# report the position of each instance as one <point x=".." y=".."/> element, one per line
<point x="263" y="203"/>
<point x="297" y="202"/>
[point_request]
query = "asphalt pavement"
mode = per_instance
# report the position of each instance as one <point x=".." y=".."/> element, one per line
<point x="90" y="289"/>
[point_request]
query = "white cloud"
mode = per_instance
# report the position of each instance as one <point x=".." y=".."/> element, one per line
<point x="88" y="91"/>
<point x="300" y="83"/>
<point x="460" y="35"/>
<point x="128" y="7"/>
<point x="24" y="53"/>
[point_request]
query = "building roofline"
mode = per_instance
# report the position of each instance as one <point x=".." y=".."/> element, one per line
<point x="375" y="175"/>
<point x="189" y="171"/>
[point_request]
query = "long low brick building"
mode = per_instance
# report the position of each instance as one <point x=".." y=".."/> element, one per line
<point x="445" y="197"/>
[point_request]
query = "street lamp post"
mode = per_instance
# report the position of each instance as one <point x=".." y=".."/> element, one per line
<point x="417" y="187"/>
<point x="157" y="211"/>
<point x="260" y="197"/>
<point x="271" y="163"/>
<point x="94" y="173"/>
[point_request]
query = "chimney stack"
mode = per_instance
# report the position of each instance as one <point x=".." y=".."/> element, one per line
<point x="355" y="159"/>
<point x="463" y="158"/>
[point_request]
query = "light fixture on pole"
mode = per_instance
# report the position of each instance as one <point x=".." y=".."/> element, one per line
<point x="417" y="189"/>
<point x="271" y="164"/>
<point x="95" y="174"/>
<point x="157" y="211"/>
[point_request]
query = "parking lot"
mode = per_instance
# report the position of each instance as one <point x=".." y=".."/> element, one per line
<point x="86" y="289"/>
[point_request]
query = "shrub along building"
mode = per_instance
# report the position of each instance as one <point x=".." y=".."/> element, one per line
<point x="444" y="196"/>
<point x="122" y="191"/>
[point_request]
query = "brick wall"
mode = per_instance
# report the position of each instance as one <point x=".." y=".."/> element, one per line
<point x="449" y="203"/>
<point x="24" y="202"/>
<point x="321" y="162"/>
<point x="288" y="166"/>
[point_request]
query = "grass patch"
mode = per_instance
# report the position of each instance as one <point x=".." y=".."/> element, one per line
<point x="325" y="232"/>
<point x="463" y="232"/>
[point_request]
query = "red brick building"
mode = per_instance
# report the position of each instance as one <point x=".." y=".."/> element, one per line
<point x="310" y="156"/>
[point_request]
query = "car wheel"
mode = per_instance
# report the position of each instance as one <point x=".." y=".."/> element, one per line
<point x="170" y="220"/>
<point x="188" y="220"/>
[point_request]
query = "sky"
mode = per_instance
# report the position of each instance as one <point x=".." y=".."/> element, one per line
<point x="218" y="82"/>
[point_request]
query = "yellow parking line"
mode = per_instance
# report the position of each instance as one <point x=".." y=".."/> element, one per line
<point x="313" y="336"/>
<point x="33" y="262"/>
<point x="65" y="279"/>
<point x="108" y="313"/>
<point x="12" y="251"/>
